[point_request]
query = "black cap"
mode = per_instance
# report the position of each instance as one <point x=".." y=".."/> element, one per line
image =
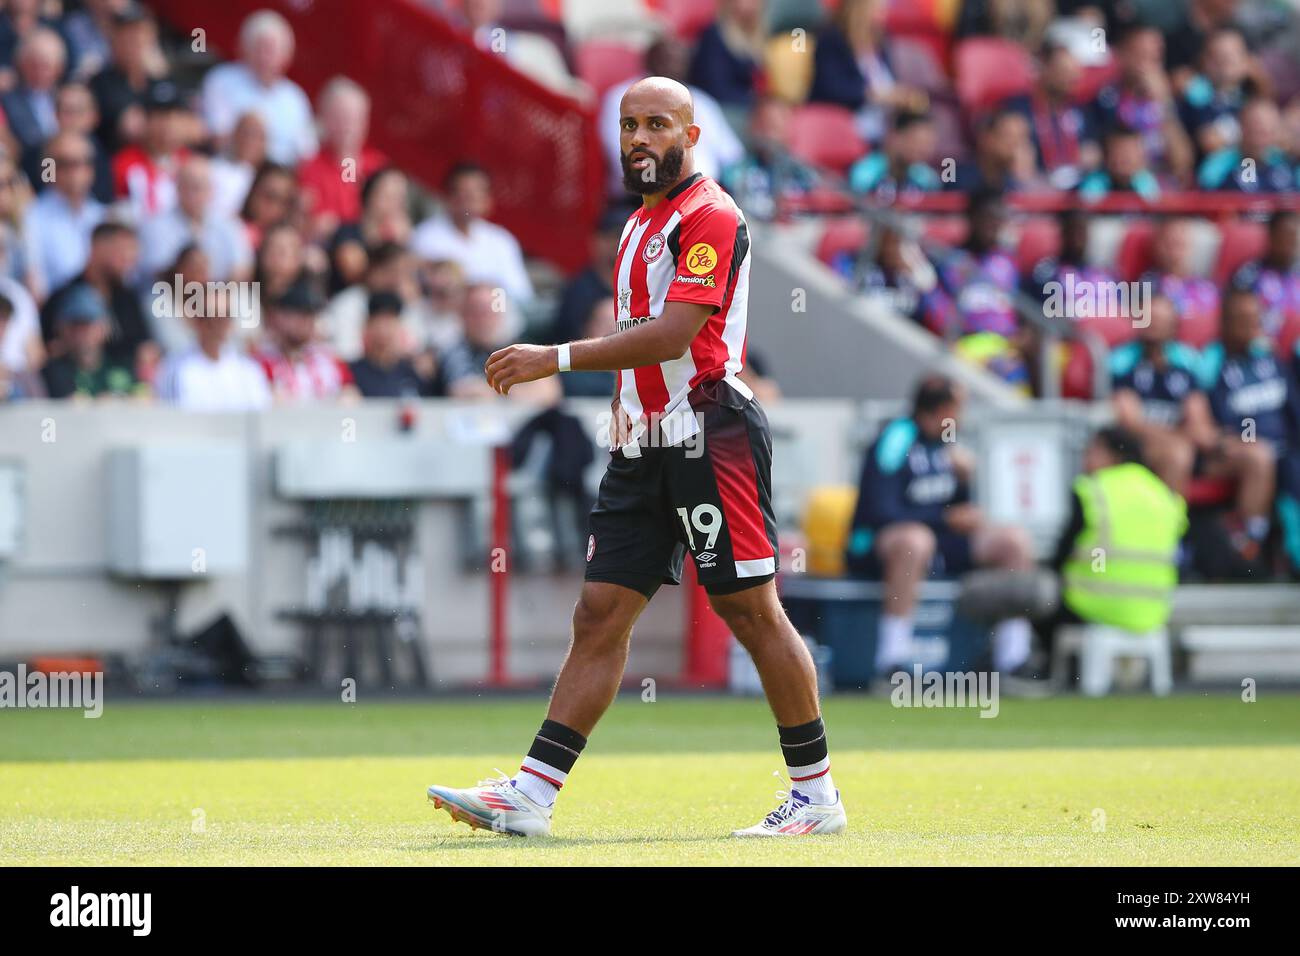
<point x="300" y="297"/>
<point x="163" y="95"/>
<point x="384" y="303"/>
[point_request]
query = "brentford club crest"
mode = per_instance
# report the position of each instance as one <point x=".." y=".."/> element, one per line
<point x="653" y="248"/>
<point x="591" y="546"/>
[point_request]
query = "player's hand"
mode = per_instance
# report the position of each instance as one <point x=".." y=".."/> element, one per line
<point x="620" y="426"/>
<point x="514" y="364"/>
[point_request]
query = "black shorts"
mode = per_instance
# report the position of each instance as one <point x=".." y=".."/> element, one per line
<point x="710" y="495"/>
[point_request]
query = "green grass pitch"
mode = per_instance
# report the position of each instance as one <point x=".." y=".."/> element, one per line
<point x="1196" y="779"/>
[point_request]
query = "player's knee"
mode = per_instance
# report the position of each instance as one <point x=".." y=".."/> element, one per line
<point x="597" y="623"/>
<point x="749" y="617"/>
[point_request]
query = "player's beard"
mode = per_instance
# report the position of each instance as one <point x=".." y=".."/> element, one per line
<point x="666" y="171"/>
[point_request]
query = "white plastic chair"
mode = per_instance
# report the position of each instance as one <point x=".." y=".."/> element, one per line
<point x="1099" y="646"/>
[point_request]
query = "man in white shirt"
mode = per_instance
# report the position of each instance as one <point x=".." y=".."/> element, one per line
<point x="59" y="223"/>
<point x="194" y="220"/>
<point x="213" y="375"/>
<point x="716" y="150"/>
<point x="488" y="253"/>
<point x="258" y="83"/>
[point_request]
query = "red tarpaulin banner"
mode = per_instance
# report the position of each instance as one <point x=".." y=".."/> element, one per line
<point x="438" y="100"/>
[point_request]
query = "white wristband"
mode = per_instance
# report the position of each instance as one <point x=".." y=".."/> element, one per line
<point x="562" y="357"/>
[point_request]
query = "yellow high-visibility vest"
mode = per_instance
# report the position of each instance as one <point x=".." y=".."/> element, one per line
<point x="1123" y="569"/>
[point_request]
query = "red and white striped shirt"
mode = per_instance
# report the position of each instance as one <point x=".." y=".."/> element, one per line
<point x="691" y="247"/>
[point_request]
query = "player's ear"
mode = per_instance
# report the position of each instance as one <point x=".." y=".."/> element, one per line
<point x="692" y="134"/>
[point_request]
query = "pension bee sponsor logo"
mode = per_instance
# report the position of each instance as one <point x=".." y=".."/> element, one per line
<point x="701" y="258"/>
<point x="707" y="281"/>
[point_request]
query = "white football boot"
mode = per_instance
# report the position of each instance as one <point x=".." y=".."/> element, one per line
<point x="797" y="817"/>
<point x="494" y="805"/>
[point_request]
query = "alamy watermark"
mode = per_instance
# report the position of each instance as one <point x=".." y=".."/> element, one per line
<point x="1086" y="299"/>
<point x="72" y="690"/>
<point x="922" y="688"/>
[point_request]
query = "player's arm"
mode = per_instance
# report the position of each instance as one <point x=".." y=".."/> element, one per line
<point x="659" y="340"/>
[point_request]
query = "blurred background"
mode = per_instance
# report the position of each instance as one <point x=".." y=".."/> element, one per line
<point x="253" y="256"/>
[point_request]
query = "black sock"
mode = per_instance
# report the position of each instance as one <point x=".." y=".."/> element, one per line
<point x="554" y="751"/>
<point x="805" y="751"/>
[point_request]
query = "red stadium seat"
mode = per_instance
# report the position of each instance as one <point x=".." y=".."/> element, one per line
<point x="1093" y="78"/>
<point x="603" y="63"/>
<point x="946" y="230"/>
<point x="1134" y="255"/>
<point x="1076" y="375"/>
<point x="825" y="135"/>
<point x="1287" y="337"/>
<point x="1039" y="237"/>
<point x="1240" y="242"/>
<point x="1205" y="492"/>
<point x="1113" y="329"/>
<point x="989" y="69"/>
<point x="842" y="234"/>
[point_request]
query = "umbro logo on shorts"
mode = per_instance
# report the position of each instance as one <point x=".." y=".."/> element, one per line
<point x="705" y="559"/>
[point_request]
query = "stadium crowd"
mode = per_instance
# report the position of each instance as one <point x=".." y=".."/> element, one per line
<point x="124" y="183"/>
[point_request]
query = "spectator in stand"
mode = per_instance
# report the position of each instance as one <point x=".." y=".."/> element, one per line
<point x="901" y="274"/>
<point x="114" y="254"/>
<point x="16" y="262"/>
<point x="1069" y="267"/>
<point x="591" y="285"/>
<point x="386" y="370"/>
<point x="713" y="153"/>
<point x="17" y="21"/>
<point x="213" y="375"/>
<point x="852" y="68"/>
<point x="385" y="217"/>
<point x="1156" y="395"/>
<point x="974" y="297"/>
<point x="729" y="52"/>
<point x="1255" y="404"/>
<point x="76" y="112"/>
<point x="59" y="222"/>
<point x="914" y="517"/>
<point x="1124" y="168"/>
<point x="1276" y="280"/>
<point x="903" y="166"/>
<point x="272" y="199"/>
<point x="600" y="323"/>
<point x="331" y="180"/>
<point x="1022" y="21"/>
<point x="1186" y="42"/>
<point x="257" y="82"/>
<point x="1142" y="99"/>
<point x="144" y="174"/>
<point x="193" y="220"/>
<point x="483" y="331"/>
<point x="1004" y="156"/>
<point x="389" y="269"/>
<point x="84" y="368"/>
<point x="462" y="233"/>
<point x="171" y="325"/>
<point x="16" y="384"/>
<point x="1212" y="98"/>
<point x="234" y="168"/>
<point x="1064" y="144"/>
<point x="22" y="349"/>
<point x="1195" y="298"/>
<point x="298" y="368"/>
<point x="87" y="33"/>
<point x="29" y="107"/>
<point x="1257" y="163"/>
<point x="281" y="261"/>
<point x="443" y="285"/>
<point x="768" y="175"/>
<point x="121" y="86"/>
